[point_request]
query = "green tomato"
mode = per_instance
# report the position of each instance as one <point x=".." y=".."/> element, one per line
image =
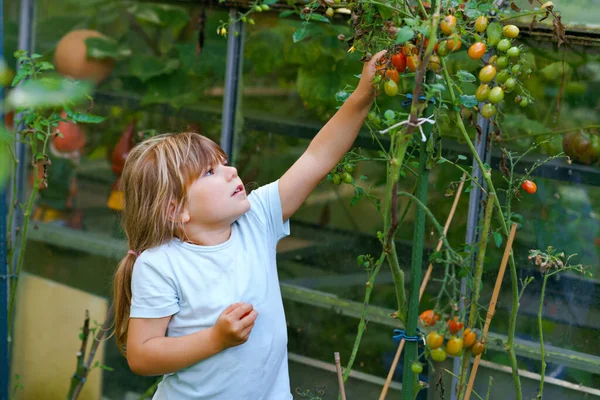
<point x="438" y="355"/>
<point x="513" y="52"/>
<point x="349" y="167"/>
<point x="257" y="8"/>
<point x="510" y="84"/>
<point x="416" y="367"/>
<point x="496" y="95"/>
<point x="487" y="73"/>
<point x="346" y="177"/>
<point x="336" y="179"/>
<point x="329" y="12"/>
<point x="391" y="89"/>
<point x="482" y="92"/>
<point x="504" y="45"/>
<point x="488" y="110"/>
<point x="502" y="76"/>
<point x="389" y="115"/>
<point x="502" y="62"/>
<point x="524" y="102"/>
<point x="265" y="7"/>
<point x="516" y="69"/>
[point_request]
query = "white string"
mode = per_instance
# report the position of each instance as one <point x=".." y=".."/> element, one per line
<point x="420" y="122"/>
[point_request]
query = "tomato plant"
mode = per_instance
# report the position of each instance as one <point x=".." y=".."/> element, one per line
<point x="496" y="95"/>
<point x="477" y="50"/>
<point x="391" y="88"/>
<point x="481" y="24"/>
<point x="454" y="325"/>
<point x="416" y="367"/>
<point x="477" y="348"/>
<point x="399" y="62"/>
<point x="448" y="24"/>
<point x="488" y="110"/>
<point x="469" y="337"/>
<point x="438" y="355"/>
<point x="487" y="73"/>
<point x="510" y="31"/>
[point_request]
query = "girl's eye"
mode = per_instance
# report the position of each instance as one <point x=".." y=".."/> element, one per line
<point x="210" y="172"/>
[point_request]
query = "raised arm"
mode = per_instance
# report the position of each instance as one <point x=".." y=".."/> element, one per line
<point x="329" y="145"/>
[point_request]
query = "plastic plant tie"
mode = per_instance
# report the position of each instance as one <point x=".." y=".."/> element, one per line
<point x="406" y="103"/>
<point x="420" y="122"/>
<point x="400" y="334"/>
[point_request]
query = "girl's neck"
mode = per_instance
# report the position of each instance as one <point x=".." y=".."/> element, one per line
<point x="208" y="237"/>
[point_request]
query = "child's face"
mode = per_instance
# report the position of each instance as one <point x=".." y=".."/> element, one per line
<point x="216" y="199"/>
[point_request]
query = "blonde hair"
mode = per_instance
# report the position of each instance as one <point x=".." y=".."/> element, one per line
<point x="155" y="180"/>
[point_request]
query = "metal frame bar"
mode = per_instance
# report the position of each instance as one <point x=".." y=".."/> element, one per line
<point x="233" y="77"/>
<point x="4" y="281"/>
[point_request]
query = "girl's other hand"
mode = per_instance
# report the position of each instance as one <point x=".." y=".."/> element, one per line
<point x="365" y="87"/>
<point x="234" y="325"/>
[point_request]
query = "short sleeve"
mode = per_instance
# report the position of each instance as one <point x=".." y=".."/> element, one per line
<point x="153" y="291"/>
<point x="266" y="206"/>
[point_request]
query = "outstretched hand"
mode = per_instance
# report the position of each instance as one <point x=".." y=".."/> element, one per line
<point x="365" y="86"/>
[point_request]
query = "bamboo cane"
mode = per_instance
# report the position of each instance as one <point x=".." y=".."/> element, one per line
<point x="338" y="368"/>
<point x="492" y="307"/>
<point x="388" y="380"/>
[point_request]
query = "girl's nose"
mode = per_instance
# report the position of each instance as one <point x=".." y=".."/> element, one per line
<point x="232" y="172"/>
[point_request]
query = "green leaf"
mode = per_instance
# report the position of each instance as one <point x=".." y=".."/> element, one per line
<point x="300" y="34"/>
<point x="494" y="33"/>
<point x="363" y="178"/>
<point x="85" y="118"/>
<point x="318" y="17"/>
<point x="146" y="67"/>
<point x="465" y="76"/>
<point x="404" y="35"/>
<point x="468" y="101"/>
<point x="498" y="239"/>
<point x="269" y="2"/>
<point x="48" y="93"/>
<point x="287" y="13"/>
<point x="105" y="47"/>
<point x="385" y="11"/>
<point x="160" y="14"/>
<point x="461" y="157"/>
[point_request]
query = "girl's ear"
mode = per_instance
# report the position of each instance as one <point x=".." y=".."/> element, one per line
<point x="178" y="215"/>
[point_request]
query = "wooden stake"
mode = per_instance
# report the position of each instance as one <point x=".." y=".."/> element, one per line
<point x="338" y="368"/>
<point x="492" y="307"/>
<point x="388" y="380"/>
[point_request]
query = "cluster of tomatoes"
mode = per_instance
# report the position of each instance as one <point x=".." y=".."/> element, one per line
<point x="342" y="173"/>
<point x="455" y="344"/>
<point x="500" y="74"/>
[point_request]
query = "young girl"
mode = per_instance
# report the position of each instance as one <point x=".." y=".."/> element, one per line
<point x="197" y="296"/>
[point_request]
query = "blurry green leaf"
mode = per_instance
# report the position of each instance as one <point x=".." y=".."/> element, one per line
<point x="461" y="157"/>
<point x="287" y="13"/>
<point x="465" y="76"/>
<point x="494" y="33"/>
<point x="300" y="34"/>
<point x="554" y="71"/>
<point x="519" y="124"/>
<point x="264" y="50"/>
<point x="86" y="118"/>
<point x="176" y="89"/>
<point x="48" y="92"/>
<point x="404" y="35"/>
<point x="160" y="14"/>
<point x="468" y="100"/>
<point x="498" y="239"/>
<point x="304" y="53"/>
<point x="146" y="67"/>
<point x="318" y="17"/>
<point x="105" y="47"/>
<point x="385" y="10"/>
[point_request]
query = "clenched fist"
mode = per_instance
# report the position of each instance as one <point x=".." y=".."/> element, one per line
<point x="234" y="325"/>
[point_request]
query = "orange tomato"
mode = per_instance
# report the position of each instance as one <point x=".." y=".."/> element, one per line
<point x="392" y="73"/>
<point x="448" y="24"/>
<point x="529" y="186"/>
<point x="434" y="340"/>
<point x="413" y="62"/>
<point x="429" y="317"/>
<point x="477" y="348"/>
<point x="476" y="51"/>
<point x="454" y="346"/>
<point x="454" y="43"/>
<point x="469" y="337"/>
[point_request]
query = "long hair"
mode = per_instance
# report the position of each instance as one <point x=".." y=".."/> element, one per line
<point x="155" y="181"/>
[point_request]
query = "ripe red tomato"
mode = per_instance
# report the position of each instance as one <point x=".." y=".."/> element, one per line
<point x="469" y="337"/>
<point x="392" y="73"/>
<point x="390" y="87"/>
<point x="487" y="73"/>
<point x="477" y="348"/>
<point x="434" y="340"/>
<point x="454" y="325"/>
<point x="476" y="51"/>
<point x="481" y="24"/>
<point x="413" y="62"/>
<point x="429" y="317"/>
<point x="399" y="61"/>
<point x="529" y="186"/>
<point x="448" y="24"/>
<point x="454" y="346"/>
<point x="453" y="43"/>
<point x="438" y="355"/>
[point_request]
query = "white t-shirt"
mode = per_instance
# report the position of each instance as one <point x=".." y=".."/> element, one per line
<point x="195" y="284"/>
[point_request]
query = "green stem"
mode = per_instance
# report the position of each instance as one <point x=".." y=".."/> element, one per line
<point x="362" y="324"/>
<point x="410" y="380"/>
<point x="541" y="329"/>
<point x="521" y="15"/>
<point x="513" y="268"/>
<point x="473" y="313"/>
